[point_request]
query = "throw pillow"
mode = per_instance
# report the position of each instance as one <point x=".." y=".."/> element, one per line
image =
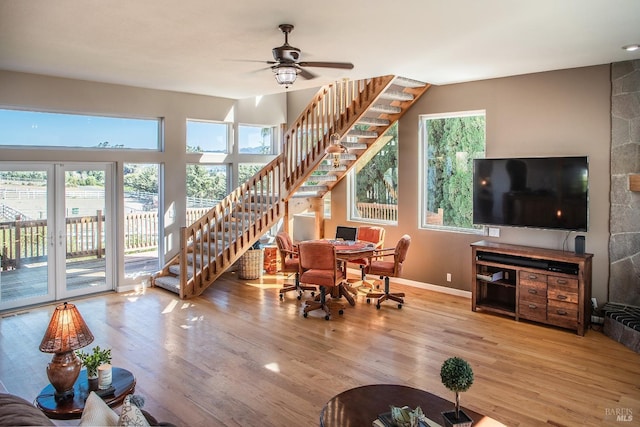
<point x="97" y="413"/>
<point x="131" y="415"/>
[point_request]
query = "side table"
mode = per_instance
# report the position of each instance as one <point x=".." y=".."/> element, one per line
<point x="123" y="381"/>
<point x="271" y="259"/>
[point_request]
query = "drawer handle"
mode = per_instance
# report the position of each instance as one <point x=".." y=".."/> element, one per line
<point x="562" y="297"/>
<point x="533" y="276"/>
<point x="533" y="291"/>
<point x="562" y="312"/>
<point x="533" y="306"/>
<point x="562" y="282"/>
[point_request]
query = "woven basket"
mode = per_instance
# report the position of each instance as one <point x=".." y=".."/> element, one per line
<point x="251" y="264"/>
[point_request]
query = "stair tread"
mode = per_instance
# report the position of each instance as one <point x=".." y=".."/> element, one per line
<point x="169" y="283"/>
<point x="322" y="178"/>
<point x="362" y="133"/>
<point x="387" y="109"/>
<point x="407" y="82"/>
<point x="397" y="95"/>
<point x="373" y="121"/>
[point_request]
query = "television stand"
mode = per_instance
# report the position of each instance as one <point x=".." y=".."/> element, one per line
<point x="542" y="285"/>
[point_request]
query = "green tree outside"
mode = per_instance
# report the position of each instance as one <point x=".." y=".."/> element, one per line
<point x="452" y="144"/>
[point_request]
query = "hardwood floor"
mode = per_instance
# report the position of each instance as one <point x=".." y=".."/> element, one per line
<point x="237" y="356"/>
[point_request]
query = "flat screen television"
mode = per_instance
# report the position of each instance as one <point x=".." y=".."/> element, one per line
<point x="538" y="192"/>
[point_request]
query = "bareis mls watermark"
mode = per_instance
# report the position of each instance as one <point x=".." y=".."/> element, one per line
<point x="620" y="414"/>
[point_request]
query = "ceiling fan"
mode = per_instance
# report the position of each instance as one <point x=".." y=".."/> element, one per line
<point x="287" y="65"/>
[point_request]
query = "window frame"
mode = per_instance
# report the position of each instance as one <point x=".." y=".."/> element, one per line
<point x="423" y="171"/>
<point x="352" y="185"/>
<point x="159" y="137"/>
<point x="228" y="136"/>
<point x="272" y="137"/>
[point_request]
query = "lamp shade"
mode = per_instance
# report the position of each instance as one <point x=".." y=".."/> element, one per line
<point x="67" y="331"/>
<point x="335" y="149"/>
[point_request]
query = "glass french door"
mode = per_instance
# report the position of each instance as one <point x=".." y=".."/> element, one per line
<point x="56" y="232"/>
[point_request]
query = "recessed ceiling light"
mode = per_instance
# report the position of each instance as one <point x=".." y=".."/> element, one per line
<point x="631" y="47"/>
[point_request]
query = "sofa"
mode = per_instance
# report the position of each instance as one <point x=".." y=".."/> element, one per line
<point x="16" y="411"/>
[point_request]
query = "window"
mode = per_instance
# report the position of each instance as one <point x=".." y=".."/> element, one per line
<point x="375" y="182"/>
<point x="206" y="185"/>
<point x="207" y="137"/>
<point x="39" y="129"/>
<point x="247" y="170"/>
<point x="449" y="143"/>
<point x="141" y="219"/>
<point x="255" y="139"/>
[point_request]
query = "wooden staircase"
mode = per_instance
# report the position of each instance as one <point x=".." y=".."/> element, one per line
<point x="359" y="111"/>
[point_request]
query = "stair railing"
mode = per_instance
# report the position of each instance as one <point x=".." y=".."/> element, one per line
<point x="220" y="237"/>
<point x="217" y="239"/>
<point x="334" y="109"/>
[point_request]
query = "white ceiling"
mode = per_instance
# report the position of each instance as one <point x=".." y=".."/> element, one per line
<point x="201" y="46"/>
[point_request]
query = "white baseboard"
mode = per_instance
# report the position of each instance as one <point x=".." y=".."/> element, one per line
<point x="407" y="282"/>
<point x="427" y="286"/>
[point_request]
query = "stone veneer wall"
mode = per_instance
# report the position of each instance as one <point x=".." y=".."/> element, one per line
<point x="624" y="222"/>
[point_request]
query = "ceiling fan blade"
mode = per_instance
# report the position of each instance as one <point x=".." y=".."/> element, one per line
<point x="259" y="70"/>
<point x="343" y="65"/>
<point x="253" y="60"/>
<point x="307" y="74"/>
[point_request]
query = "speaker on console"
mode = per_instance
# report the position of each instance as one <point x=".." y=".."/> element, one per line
<point x="580" y="245"/>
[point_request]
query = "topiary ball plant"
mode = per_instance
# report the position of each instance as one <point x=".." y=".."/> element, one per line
<point x="456" y="375"/>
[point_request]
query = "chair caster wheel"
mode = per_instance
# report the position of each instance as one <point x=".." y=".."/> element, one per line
<point x="399" y="306"/>
<point x="281" y="297"/>
<point x="313" y="294"/>
<point x="299" y="297"/>
<point x="341" y="312"/>
<point x="368" y="301"/>
<point x="305" y="315"/>
<point x="327" y="317"/>
<point x="378" y="306"/>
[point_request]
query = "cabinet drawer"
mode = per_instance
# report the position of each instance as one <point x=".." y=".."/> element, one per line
<point x="562" y="314"/>
<point x="532" y="290"/>
<point x="562" y="294"/>
<point x="569" y="284"/>
<point x="533" y="310"/>
<point x="532" y="278"/>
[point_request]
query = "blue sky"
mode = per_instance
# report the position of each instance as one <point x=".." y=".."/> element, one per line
<point x="27" y="128"/>
<point x="39" y="129"/>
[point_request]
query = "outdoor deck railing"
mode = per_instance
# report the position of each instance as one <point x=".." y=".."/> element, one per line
<point x="26" y="240"/>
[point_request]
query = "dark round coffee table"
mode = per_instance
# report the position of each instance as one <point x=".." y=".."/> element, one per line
<point x="360" y="406"/>
<point x="123" y="381"/>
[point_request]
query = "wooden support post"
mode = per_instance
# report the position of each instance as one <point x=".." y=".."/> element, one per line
<point x="317" y="207"/>
<point x="634" y="182"/>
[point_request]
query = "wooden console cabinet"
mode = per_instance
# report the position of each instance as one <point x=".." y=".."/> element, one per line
<point x="543" y="285"/>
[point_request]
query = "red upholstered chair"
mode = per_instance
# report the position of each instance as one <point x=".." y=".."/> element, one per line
<point x="319" y="266"/>
<point x="290" y="263"/>
<point x="368" y="234"/>
<point x="386" y="268"/>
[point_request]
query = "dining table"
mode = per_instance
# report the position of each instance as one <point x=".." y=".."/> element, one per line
<point x="348" y="250"/>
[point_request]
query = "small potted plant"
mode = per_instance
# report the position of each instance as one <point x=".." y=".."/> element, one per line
<point x="92" y="360"/>
<point x="456" y="375"/>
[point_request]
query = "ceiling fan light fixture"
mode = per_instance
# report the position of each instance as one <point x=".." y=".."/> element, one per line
<point x="285" y="75"/>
